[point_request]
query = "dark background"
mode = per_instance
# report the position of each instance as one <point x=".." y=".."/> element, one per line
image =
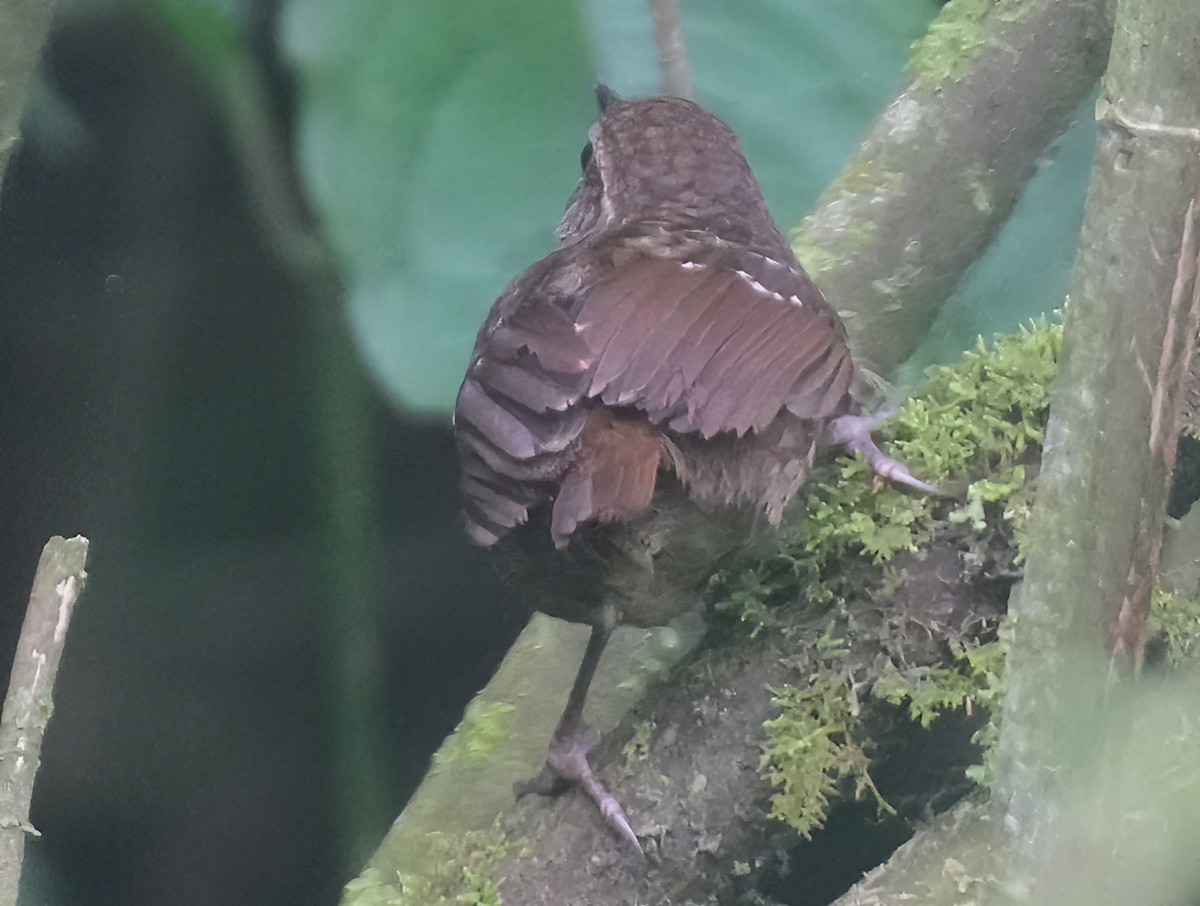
<point x="155" y="398"/>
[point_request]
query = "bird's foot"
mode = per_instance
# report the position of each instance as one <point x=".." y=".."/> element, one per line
<point x="853" y="432"/>
<point x="567" y="765"/>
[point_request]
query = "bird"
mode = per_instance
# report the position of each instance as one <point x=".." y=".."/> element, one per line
<point x="642" y="399"/>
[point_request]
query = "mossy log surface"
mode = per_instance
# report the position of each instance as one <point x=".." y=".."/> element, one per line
<point x="687" y="760"/>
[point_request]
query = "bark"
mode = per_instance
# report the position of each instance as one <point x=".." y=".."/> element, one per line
<point x="1130" y="325"/>
<point x="29" y="702"/>
<point x="24" y="25"/>
<point x="994" y="84"/>
<point x="955" y="854"/>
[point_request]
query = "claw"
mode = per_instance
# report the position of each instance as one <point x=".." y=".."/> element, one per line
<point x="853" y="432"/>
<point x="568" y="764"/>
<point x="611" y="809"/>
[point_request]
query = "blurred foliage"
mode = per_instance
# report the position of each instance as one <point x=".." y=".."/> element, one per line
<point x="440" y="165"/>
<point x="210" y="31"/>
<point x="437" y="141"/>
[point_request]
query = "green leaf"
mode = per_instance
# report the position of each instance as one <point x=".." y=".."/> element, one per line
<point x="439" y="140"/>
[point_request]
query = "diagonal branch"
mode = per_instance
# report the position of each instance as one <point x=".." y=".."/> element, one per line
<point x="994" y="84"/>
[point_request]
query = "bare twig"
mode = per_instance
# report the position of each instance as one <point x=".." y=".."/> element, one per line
<point x="29" y="703"/>
<point x="672" y="49"/>
<point x="1168" y="403"/>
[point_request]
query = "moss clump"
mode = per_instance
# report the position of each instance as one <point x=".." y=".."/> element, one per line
<point x="954" y="39"/>
<point x="1175" y="626"/>
<point x="980" y="416"/>
<point x="461" y="877"/>
<point x="814" y="258"/>
<point x="976" y="680"/>
<point x="929" y="692"/>
<point x="482" y="730"/>
<point x="640" y="742"/>
<point x="811" y="752"/>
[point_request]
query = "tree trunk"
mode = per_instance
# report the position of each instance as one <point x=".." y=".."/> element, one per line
<point x="1110" y="447"/>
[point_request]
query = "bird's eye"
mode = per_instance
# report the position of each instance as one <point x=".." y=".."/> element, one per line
<point x="585" y="156"/>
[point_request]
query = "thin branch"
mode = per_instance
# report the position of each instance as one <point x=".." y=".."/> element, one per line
<point x="942" y="167"/>
<point x="27" y="707"/>
<point x="672" y="49"/>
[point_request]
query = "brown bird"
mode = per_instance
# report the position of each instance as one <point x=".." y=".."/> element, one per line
<point x="639" y="398"/>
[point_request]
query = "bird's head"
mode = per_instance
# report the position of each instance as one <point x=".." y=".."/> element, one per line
<point x="668" y="160"/>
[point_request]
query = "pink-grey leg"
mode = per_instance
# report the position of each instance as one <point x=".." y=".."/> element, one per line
<point x="853" y="433"/>
<point x="567" y="763"/>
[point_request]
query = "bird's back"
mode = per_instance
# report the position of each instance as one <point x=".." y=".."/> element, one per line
<point x="671" y="355"/>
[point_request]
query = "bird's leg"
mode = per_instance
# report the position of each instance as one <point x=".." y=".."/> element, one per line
<point x="853" y="433"/>
<point x="568" y="762"/>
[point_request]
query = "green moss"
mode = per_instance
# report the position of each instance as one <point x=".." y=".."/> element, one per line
<point x="978" y="417"/>
<point x="460" y="876"/>
<point x="954" y="39"/>
<point x="815" y="257"/>
<point x="482" y="730"/>
<point x="975" y="681"/>
<point x="1175" y="625"/>
<point x="986" y="491"/>
<point x="862" y="177"/>
<point x="811" y="751"/>
<point x="638" y="747"/>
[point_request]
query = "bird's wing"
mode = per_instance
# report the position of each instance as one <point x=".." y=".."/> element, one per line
<point x="719" y="342"/>
<point x="517" y="414"/>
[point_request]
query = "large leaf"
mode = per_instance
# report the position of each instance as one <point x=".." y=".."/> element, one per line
<point x="439" y="140"/>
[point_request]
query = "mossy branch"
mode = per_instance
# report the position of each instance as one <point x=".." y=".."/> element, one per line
<point x="993" y="84"/>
